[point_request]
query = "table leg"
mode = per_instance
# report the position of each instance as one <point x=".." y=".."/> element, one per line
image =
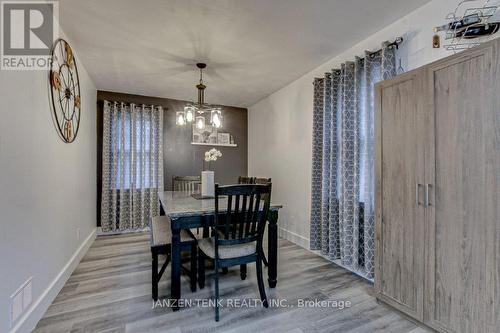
<point x="175" y="286"/>
<point x="272" y="249"/>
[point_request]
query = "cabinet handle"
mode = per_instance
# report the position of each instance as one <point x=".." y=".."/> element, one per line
<point x="427" y="202"/>
<point x="417" y="194"/>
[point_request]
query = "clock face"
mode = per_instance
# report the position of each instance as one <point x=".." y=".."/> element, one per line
<point x="65" y="91"/>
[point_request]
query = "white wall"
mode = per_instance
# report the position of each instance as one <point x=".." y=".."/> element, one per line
<point x="47" y="191"/>
<point x="280" y="126"/>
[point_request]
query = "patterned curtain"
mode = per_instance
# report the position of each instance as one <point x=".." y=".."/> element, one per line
<point x="132" y="170"/>
<point x="343" y="174"/>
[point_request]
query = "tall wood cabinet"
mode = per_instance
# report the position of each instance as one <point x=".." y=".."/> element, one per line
<point x="438" y="192"/>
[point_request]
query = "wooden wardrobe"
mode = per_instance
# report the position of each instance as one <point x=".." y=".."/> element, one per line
<point x="437" y="192"/>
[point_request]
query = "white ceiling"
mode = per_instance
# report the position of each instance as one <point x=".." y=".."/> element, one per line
<point x="252" y="47"/>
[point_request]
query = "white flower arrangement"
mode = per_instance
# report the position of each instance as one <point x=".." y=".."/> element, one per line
<point x="212" y="155"/>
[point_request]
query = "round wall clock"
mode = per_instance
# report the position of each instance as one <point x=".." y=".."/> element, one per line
<point x="65" y="90"/>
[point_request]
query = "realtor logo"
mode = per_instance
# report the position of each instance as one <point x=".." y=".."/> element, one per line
<point x="29" y="28"/>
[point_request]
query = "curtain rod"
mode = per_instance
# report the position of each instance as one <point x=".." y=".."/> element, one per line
<point x="137" y="104"/>
<point x="397" y="41"/>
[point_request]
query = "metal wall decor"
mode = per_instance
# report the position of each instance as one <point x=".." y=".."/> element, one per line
<point x="65" y="90"/>
<point x="471" y="23"/>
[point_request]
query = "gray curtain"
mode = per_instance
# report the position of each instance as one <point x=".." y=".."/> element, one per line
<point x="132" y="170"/>
<point x="343" y="174"/>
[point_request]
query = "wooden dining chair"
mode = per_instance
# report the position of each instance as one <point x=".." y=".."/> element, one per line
<point x="252" y="180"/>
<point x="258" y="180"/>
<point x="161" y="243"/>
<point x="246" y="180"/>
<point x="238" y="233"/>
<point x="188" y="184"/>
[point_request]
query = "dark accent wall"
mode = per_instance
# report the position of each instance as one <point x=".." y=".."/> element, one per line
<point x="180" y="157"/>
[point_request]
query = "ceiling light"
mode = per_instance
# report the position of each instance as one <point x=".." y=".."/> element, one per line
<point x="197" y="112"/>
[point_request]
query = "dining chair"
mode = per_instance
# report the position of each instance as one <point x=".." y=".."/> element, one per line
<point x="246" y="180"/>
<point x="257" y="180"/>
<point x="238" y="233"/>
<point x="186" y="183"/>
<point x="161" y="243"/>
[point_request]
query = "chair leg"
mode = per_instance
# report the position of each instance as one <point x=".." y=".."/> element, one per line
<point x="260" y="281"/>
<point x="243" y="271"/>
<point x="264" y="260"/>
<point x="154" y="275"/>
<point x="201" y="270"/>
<point x="216" y="291"/>
<point x="193" y="273"/>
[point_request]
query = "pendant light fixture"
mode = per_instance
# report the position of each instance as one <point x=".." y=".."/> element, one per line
<point x="198" y="112"/>
<point x="180" y="118"/>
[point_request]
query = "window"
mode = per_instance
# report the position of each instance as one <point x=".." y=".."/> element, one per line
<point x="133" y="151"/>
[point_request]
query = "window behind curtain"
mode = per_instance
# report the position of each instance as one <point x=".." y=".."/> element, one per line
<point x="138" y="136"/>
<point x="132" y="173"/>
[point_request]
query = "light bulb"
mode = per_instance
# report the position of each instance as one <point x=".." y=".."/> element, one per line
<point x="189" y="113"/>
<point x="200" y="123"/>
<point x="216" y="118"/>
<point x="216" y="121"/>
<point x="180" y="120"/>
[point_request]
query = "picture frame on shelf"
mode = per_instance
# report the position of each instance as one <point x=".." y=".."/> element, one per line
<point x="206" y="135"/>
<point x="212" y="138"/>
<point x="224" y="138"/>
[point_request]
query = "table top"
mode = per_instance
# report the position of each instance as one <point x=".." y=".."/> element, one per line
<point x="182" y="204"/>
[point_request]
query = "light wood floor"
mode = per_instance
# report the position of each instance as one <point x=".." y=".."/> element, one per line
<point x="110" y="291"/>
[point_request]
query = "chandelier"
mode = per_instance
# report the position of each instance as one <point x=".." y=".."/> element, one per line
<point x="198" y="112"/>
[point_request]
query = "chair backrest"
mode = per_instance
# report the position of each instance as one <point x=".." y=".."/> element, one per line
<point x="261" y="180"/>
<point x="246" y="180"/>
<point x="246" y="215"/>
<point x="253" y="180"/>
<point x="188" y="184"/>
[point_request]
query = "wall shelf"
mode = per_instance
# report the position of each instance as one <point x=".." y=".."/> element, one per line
<point x="215" y="144"/>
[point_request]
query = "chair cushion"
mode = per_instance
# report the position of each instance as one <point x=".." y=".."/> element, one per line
<point x="161" y="232"/>
<point x="207" y="245"/>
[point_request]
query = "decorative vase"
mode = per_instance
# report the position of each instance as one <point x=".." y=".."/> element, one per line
<point x="207" y="184"/>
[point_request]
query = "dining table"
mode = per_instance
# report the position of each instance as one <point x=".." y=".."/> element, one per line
<point x="187" y="212"/>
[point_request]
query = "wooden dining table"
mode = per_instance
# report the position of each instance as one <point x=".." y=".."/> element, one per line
<point x="186" y="212"/>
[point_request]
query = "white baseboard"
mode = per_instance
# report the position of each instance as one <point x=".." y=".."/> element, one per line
<point x="293" y="237"/>
<point x="35" y="312"/>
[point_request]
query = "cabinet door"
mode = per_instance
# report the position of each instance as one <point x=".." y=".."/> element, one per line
<point x="463" y="220"/>
<point x="399" y="197"/>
